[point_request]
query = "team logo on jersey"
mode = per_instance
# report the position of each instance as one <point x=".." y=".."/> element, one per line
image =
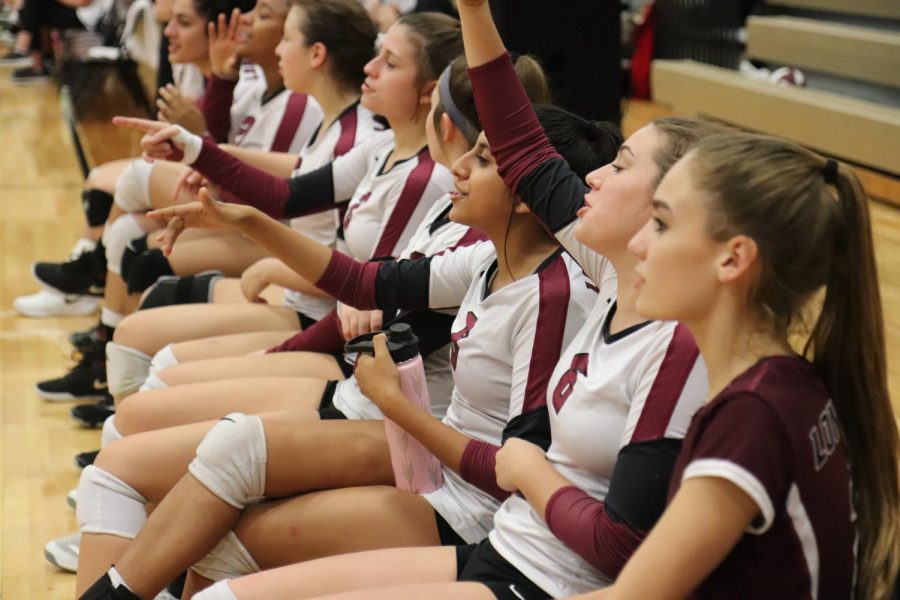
<point x="824" y="437"/>
<point x="246" y="126"/>
<point x="463" y="333"/>
<point x="566" y="384"/>
<point x="349" y="214"/>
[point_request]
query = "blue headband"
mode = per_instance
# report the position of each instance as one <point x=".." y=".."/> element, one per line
<point x="462" y="123"/>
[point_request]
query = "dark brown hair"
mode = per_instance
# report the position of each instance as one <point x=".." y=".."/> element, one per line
<point x="438" y="40"/>
<point x="530" y="73"/>
<point x="346" y="30"/>
<point x="813" y="234"/>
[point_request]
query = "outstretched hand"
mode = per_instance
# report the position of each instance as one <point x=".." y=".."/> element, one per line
<point x="163" y="141"/>
<point x="223" y="45"/>
<point x="189" y="183"/>
<point x="207" y="213"/>
<point x="178" y="109"/>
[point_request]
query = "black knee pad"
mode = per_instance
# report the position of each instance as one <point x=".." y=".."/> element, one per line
<point x="134" y="249"/>
<point x="192" y="289"/>
<point x="96" y="205"/>
<point x="145" y="269"/>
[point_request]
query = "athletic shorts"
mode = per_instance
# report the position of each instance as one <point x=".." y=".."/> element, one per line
<point x="483" y="564"/>
<point x="305" y="321"/>
<point x="327" y="410"/>
<point x="447" y="534"/>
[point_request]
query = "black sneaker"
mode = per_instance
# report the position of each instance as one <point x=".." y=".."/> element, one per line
<point x="30" y="76"/>
<point x="85" y="459"/>
<point x="86" y="381"/>
<point x="93" y="341"/>
<point x="16" y="58"/>
<point x="103" y="589"/>
<point x="85" y="340"/>
<point x="93" y="415"/>
<point x="75" y="276"/>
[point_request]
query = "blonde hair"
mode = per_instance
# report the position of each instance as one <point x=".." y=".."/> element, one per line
<point x="810" y="220"/>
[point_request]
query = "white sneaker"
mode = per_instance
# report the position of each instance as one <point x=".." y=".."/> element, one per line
<point x="72" y="498"/>
<point x="63" y="552"/>
<point x="48" y="303"/>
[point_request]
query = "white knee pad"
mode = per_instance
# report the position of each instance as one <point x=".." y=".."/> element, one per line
<point x="126" y="369"/>
<point x="133" y="187"/>
<point x="109" y="434"/>
<point x="116" y="238"/>
<point x="106" y="504"/>
<point x="229" y="559"/>
<point x="231" y="460"/>
<point x="153" y="383"/>
<point x="163" y="359"/>
<point x="219" y="591"/>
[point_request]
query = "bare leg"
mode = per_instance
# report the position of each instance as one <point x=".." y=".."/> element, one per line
<point x="229" y="252"/>
<point x="336" y="521"/>
<point x="227" y="290"/>
<point x="116" y="297"/>
<point x="223" y="346"/>
<point x="104" y="177"/>
<point x="151" y="463"/>
<point x="301" y="456"/>
<point x="360" y="571"/>
<point x="150" y="330"/>
<point x="286" y="364"/>
<point x="196" y="402"/>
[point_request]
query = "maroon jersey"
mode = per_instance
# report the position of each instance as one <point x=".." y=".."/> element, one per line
<point x="774" y="433"/>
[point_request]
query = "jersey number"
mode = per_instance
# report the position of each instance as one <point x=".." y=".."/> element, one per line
<point x="363" y="199"/>
<point x="463" y="333"/>
<point x="566" y="384"/>
<point x="246" y="126"/>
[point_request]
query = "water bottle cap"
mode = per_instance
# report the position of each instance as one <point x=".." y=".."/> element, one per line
<point x="402" y="343"/>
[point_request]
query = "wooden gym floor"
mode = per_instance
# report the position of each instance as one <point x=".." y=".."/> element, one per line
<point x="40" y="186"/>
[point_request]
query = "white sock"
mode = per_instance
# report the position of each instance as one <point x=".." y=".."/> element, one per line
<point x="110" y="318"/>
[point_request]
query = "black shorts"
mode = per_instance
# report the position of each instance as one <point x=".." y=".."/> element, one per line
<point x="447" y="534"/>
<point x="481" y="563"/>
<point x="305" y="321"/>
<point x="327" y="410"/>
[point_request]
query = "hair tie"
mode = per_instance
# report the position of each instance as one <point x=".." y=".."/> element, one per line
<point x="830" y="171"/>
<point x="462" y="123"/>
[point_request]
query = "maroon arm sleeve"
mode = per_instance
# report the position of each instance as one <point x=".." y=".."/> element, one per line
<point x="253" y="186"/>
<point x="517" y="139"/>
<point x="350" y="281"/>
<point x="217" y="107"/>
<point x="584" y="525"/>
<point x="324" y="336"/>
<point x="477" y="467"/>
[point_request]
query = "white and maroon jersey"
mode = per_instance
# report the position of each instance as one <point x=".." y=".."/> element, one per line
<point x="504" y="345"/>
<point x="503" y="348"/>
<point x="283" y="123"/>
<point x="775" y="434"/>
<point x="355" y="125"/>
<point x="435" y="235"/>
<point x="609" y="394"/>
<point x="619" y="404"/>
<point x="387" y="205"/>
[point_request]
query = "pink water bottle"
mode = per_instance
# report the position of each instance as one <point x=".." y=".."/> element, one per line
<point x="416" y="470"/>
